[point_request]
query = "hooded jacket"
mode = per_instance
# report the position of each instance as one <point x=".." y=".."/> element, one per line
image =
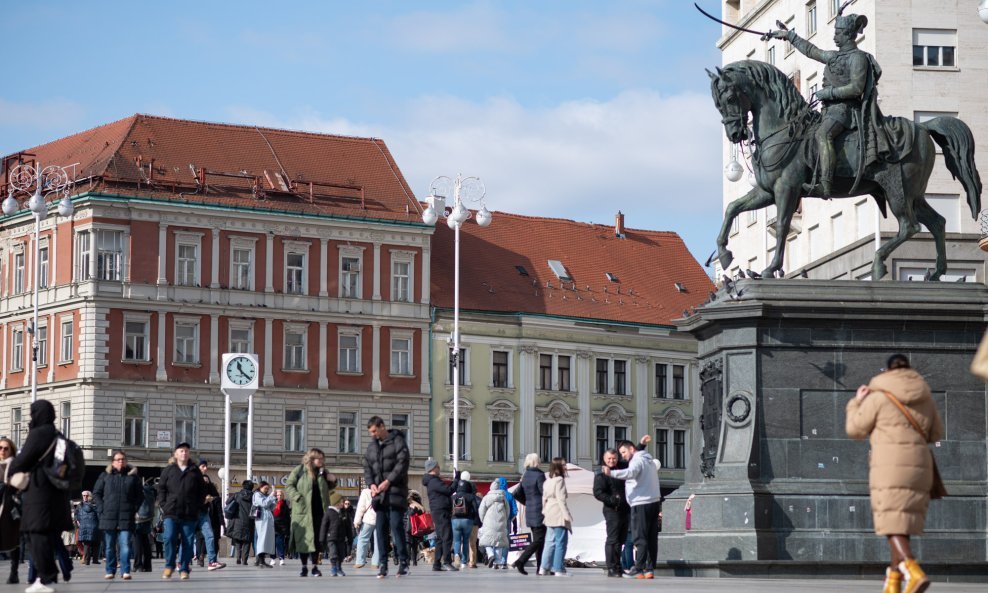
<point x="388" y="459"/>
<point x="641" y="479"/>
<point x="45" y="509"/>
<point x="241" y="527"/>
<point x="118" y="495"/>
<point x="503" y="483"/>
<point x="181" y="493"/>
<point x="494" y="516"/>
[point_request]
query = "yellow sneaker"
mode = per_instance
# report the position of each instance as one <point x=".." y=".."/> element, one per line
<point x="183" y="575"/>
<point x="167" y="573"/>
<point x="893" y="581"/>
<point x="916" y="581"/>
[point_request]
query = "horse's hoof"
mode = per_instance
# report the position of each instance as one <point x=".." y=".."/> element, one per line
<point x="725" y="257"/>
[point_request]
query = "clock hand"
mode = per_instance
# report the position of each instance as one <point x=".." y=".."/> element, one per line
<point x="240" y="368"/>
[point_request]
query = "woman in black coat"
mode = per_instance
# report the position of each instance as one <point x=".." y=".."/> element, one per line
<point x="46" y="510"/>
<point x="240" y="529"/>
<point x="118" y="494"/>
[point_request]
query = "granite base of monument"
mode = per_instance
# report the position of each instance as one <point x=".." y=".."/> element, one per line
<point x="776" y="478"/>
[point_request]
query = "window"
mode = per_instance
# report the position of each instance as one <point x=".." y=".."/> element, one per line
<point x="461" y="439"/>
<point x="460" y="366"/>
<point x="19" y="285"/>
<point x="735" y="225"/>
<point x="620" y="433"/>
<point x="42" y="344"/>
<point x="811" y="19"/>
<point x="16" y="425"/>
<point x="565" y="440"/>
<point x="187" y="264"/>
<point x="238" y="428"/>
<point x="294" y="430"/>
<point x="295" y="348"/>
<point x="65" y="413"/>
<point x="863" y="217"/>
<point x="603" y="440"/>
<point x="349" y="351"/>
<point x="935" y="48"/>
<point x="348" y="432"/>
<point x="241" y="273"/>
<point x="661" y="375"/>
<point x="948" y="206"/>
<point x="499" y="369"/>
<point x="17" y="349"/>
<point x="770" y="55"/>
<point x="400" y="278"/>
<point x="43" y="267"/>
<point x="661" y="446"/>
<point x="499" y="441"/>
<point x="752" y="217"/>
<point x="562" y="368"/>
<point x="186" y="342"/>
<point x="836" y="231"/>
<point x="835" y="7"/>
<point x="109" y="254"/>
<point x="241" y="336"/>
<point x="602" y="364"/>
<point x="679" y="449"/>
<point x="400" y="423"/>
<point x="65" y="354"/>
<point x="295" y="273"/>
<point x="135" y="424"/>
<point x="790" y="22"/>
<point x="545" y="371"/>
<point x="620" y="377"/>
<point x="350" y="278"/>
<point x="545" y="441"/>
<point x="813" y="89"/>
<point x="83" y="249"/>
<point x="401" y="355"/>
<point x="678" y="382"/>
<point x="135" y="340"/>
<point x="185" y="424"/>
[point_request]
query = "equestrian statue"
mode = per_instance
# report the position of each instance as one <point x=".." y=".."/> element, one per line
<point x="846" y="149"/>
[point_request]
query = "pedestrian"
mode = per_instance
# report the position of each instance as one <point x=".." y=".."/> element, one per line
<point x="898" y="413"/>
<point x="532" y="482"/>
<point x="365" y="521"/>
<point x="440" y="505"/>
<point x="143" y="528"/>
<point x="464" y="518"/>
<point x="282" y="525"/>
<point x="617" y="514"/>
<point x="333" y="532"/>
<point x="87" y="522"/>
<point x="386" y="472"/>
<point x="208" y="523"/>
<point x="10" y="514"/>
<point x="262" y="507"/>
<point x="557" y="519"/>
<point x="415" y="507"/>
<point x="46" y="511"/>
<point x="240" y="526"/>
<point x="118" y="494"/>
<point x="308" y="491"/>
<point x="642" y="491"/>
<point x="495" y="513"/>
<point x="181" y="492"/>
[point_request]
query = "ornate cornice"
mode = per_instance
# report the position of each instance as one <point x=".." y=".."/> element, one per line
<point x="613" y="414"/>
<point x="557" y="410"/>
<point x="501" y="410"/>
<point x="672" y="418"/>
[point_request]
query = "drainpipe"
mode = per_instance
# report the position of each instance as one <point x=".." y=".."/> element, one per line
<point x="432" y="322"/>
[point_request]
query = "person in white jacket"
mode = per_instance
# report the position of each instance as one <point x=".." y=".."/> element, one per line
<point x="365" y="520"/>
<point x="641" y="487"/>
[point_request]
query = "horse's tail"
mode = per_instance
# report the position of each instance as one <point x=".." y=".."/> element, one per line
<point x="957" y="142"/>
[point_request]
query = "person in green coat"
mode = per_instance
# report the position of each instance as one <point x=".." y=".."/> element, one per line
<point x="308" y="488"/>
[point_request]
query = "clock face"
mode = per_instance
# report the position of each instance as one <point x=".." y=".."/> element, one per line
<point x="241" y="370"/>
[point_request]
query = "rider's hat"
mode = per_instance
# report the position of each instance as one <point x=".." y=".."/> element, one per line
<point x="855" y="22"/>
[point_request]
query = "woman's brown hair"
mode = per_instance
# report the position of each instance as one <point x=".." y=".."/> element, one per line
<point x="557" y="467"/>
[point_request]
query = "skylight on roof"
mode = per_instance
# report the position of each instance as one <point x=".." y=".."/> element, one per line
<point x="611" y="277"/>
<point x="521" y="270"/>
<point x="559" y="270"/>
<point x="680" y="287"/>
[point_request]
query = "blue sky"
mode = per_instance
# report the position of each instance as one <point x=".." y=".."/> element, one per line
<point x="566" y="108"/>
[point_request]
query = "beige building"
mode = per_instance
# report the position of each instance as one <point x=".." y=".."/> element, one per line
<point x="934" y="59"/>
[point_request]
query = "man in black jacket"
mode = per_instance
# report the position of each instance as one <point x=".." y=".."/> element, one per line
<point x="181" y="492"/>
<point x="118" y="494"/>
<point x="386" y="474"/>
<point x="208" y="523"/>
<point x="617" y="513"/>
<point x="441" y="506"/>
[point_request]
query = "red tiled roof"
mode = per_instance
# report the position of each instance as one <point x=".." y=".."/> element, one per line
<point x="646" y="264"/>
<point x="350" y="176"/>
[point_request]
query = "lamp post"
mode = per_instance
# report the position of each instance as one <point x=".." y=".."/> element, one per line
<point x="463" y="189"/>
<point x="45" y="182"/>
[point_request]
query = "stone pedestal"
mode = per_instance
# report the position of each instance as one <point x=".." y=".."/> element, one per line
<point x="776" y="477"/>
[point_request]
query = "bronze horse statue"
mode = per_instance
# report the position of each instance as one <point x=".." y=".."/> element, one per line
<point x="784" y="159"/>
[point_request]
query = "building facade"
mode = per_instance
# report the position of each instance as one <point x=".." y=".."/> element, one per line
<point x="934" y="60"/>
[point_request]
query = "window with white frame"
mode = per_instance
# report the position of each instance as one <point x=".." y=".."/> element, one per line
<point x="935" y="48"/>
<point x="790" y="22"/>
<point x="136" y="338"/>
<point x="461" y="363"/>
<point x="679" y="449"/>
<point x="662" y="446"/>
<point x="16" y="426"/>
<point x="500" y="436"/>
<point x="238" y="428"/>
<point x="295" y="342"/>
<point x="611" y="377"/>
<point x="348" y="432"/>
<point x="948" y="206"/>
<point x="296" y="270"/>
<point x="83" y="243"/>
<point x="187" y="260"/>
<point x="42" y="338"/>
<point x="837" y="230"/>
<point x="811" y="19"/>
<point x="678" y="381"/>
<point x="603" y="365"/>
<point x="770" y="55"/>
<point x="17" y="348"/>
<point x="294" y="430"/>
<point x="185" y="424"/>
<point x="351" y="263"/>
<point x="461" y="439"/>
<point x="109" y="254"/>
<point x="735" y="225"/>
<point x="499" y="368"/>
<point x="349" y="338"/>
<point x="620" y="376"/>
<point x="241" y="336"/>
<point x="661" y="380"/>
<point x="556" y="440"/>
<point x="607" y="437"/>
<point x="864" y="219"/>
<point x="835" y="7"/>
<point x="545" y="440"/>
<point x="135" y="424"/>
<point x="564" y="436"/>
<point x="752" y="217"/>
<point x="402" y="423"/>
<point x="242" y="263"/>
<point x="65" y="417"/>
<point x="186" y="340"/>
<point x="563" y="363"/>
<point x="19" y="277"/>
<point x="402" y="276"/>
<point x="545" y="371"/>
<point x="401" y="353"/>
<point x="43" y="267"/>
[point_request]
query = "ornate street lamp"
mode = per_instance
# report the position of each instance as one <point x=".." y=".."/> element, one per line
<point x="462" y="189"/>
<point x="983" y="11"/>
<point x="45" y="182"/>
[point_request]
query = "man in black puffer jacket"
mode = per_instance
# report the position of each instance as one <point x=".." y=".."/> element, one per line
<point x="441" y="506"/>
<point x="118" y="494"/>
<point x="181" y="493"/>
<point x="386" y="473"/>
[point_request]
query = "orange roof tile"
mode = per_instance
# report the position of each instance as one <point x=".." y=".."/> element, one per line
<point x="349" y="176"/>
<point x="646" y="264"/>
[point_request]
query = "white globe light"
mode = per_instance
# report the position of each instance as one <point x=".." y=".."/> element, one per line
<point x="10" y="205"/>
<point x="430" y="217"/>
<point x="484" y="217"/>
<point x="37" y="203"/>
<point x="460" y="213"/>
<point x="752" y="180"/>
<point x="451" y="222"/>
<point x="983" y="11"/>
<point x="733" y="170"/>
<point x="221" y="472"/>
<point x="65" y="207"/>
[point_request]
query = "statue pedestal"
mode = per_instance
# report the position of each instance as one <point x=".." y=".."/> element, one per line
<point x="776" y="477"/>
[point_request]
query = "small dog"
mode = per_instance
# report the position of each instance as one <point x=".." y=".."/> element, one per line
<point x="427" y="555"/>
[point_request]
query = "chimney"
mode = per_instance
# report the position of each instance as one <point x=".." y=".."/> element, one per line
<point x="619" y="225"/>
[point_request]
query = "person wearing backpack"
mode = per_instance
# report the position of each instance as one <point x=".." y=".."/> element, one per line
<point x="46" y="511"/>
<point x="464" y="512"/>
<point x="118" y="494"/>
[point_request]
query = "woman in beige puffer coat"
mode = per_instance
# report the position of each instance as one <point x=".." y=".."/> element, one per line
<point x="901" y="463"/>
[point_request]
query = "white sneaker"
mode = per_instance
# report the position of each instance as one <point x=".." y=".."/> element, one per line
<point x="281" y="562"/>
<point x="39" y="587"/>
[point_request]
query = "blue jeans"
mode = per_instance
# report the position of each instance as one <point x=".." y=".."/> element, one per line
<point x="391" y="529"/>
<point x="498" y="554"/>
<point x="462" y="528"/>
<point x="173" y="529"/>
<point x="367" y="531"/>
<point x="555" y="549"/>
<point x="113" y="539"/>
<point x="208" y="536"/>
<point x="628" y="555"/>
<point x="279" y="545"/>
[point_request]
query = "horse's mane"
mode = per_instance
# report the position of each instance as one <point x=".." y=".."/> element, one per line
<point x="792" y="105"/>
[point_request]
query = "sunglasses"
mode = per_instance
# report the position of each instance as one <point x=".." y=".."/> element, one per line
<point x="5" y="448"/>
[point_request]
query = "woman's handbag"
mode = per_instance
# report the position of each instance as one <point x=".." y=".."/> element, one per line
<point x="937" y="490"/>
<point x="256" y="512"/>
<point x="421" y="525"/>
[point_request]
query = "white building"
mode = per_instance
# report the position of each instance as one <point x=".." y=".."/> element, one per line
<point x="934" y="59"/>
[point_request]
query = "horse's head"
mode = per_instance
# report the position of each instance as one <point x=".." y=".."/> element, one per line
<point x="732" y="102"/>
